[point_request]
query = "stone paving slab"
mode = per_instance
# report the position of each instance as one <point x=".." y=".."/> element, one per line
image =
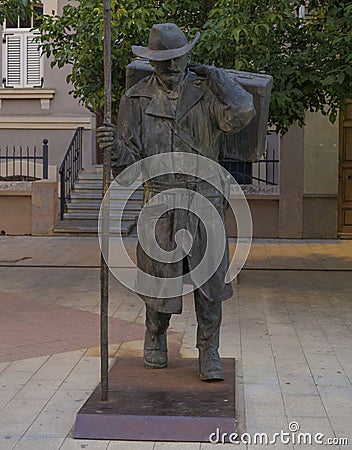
<point x="288" y="325"/>
<point x="30" y="328"/>
<point x="283" y="254"/>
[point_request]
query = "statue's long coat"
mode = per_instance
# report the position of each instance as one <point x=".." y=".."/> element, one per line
<point x="149" y="123"/>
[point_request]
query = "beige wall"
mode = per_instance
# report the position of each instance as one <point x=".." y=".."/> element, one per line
<point x="321" y="146"/>
<point x="28" y="207"/>
<point x="306" y="206"/>
<point x="279" y="215"/>
<point x="320" y="217"/>
<point x="16" y="214"/>
<point x="265" y="218"/>
<point x="50" y="6"/>
<point x="59" y="140"/>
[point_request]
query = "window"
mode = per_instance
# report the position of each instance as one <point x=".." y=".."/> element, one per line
<point x="22" y="65"/>
<point x="29" y="22"/>
<point x="303" y="11"/>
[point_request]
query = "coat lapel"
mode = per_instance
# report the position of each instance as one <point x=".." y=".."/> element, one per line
<point x="159" y="105"/>
<point x="190" y="95"/>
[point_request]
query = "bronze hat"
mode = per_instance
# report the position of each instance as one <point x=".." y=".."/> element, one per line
<point x="166" y="41"/>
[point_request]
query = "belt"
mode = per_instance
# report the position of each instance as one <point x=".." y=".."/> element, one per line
<point x="159" y="186"/>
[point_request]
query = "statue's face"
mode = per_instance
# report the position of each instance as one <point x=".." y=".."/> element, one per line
<point x="170" y="71"/>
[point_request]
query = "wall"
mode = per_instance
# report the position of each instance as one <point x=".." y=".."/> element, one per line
<point x="265" y="217"/>
<point x="321" y="141"/>
<point x="28" y="207"/>
<point x="306" y="204"/>
<point x="291" y="183"/>
<point x="321" y="145"/>
<point x="28" y="132"/>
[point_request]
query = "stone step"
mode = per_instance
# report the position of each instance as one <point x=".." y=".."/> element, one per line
<point x="88" y="186"/>
<point x="96" y="195"/>
<point x="87" y="205"/>
<point x="84" y="231"/>
<point x="91" y="178"/>
<point x="95" y="206"/>
<point x="86" y="196"/>
<point x="93" y="215"/>
<point x="115" y="201"/>
<point x="97" y="177"/>
<point x="81" y="217"/>
<point x="113" y="185"/>
<point x="90" y="174"/>
<point x="95" y="185"/>
<point x="95" y="169"/>
<point x="66" y="229"/>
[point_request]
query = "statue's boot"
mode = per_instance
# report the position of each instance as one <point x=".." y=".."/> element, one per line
<point x="209" y="315"/>
<point x="155" y="342"/>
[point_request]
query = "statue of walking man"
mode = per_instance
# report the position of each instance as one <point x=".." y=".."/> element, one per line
<point x="179" y="108"/>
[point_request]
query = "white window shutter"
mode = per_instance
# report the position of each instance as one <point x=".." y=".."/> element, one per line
<point x="13" y="60"/>
<point x="22" y="63"/>
<point x="32" y="62"/>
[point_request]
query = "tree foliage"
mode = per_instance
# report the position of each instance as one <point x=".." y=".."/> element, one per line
<point x="309" y="58"/>
<point x="331" y="47"/>
<point x="76" y="38"/>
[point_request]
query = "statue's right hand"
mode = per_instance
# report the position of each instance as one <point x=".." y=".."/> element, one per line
<point x="106" y="135"/>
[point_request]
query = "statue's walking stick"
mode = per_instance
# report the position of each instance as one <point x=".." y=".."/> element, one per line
<point x="104" y="269"/>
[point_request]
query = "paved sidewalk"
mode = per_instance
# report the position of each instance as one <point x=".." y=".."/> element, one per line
<point x="288" y="324"/>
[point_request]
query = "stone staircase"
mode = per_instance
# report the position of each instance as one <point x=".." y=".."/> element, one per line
<point x="81" y="216"/>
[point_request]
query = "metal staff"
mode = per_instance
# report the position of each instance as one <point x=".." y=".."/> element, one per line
<point x="104" y="270"/>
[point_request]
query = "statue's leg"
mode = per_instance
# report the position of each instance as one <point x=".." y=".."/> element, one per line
<point x="209" y="315"/>
<point x="155" y="343"/>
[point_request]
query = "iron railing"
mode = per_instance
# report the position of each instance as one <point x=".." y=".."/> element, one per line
<point x="19" y="164"/>
<point x="263" y="172"/>
<point x="69" y="169"/>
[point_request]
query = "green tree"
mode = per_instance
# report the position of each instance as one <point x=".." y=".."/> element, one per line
<point x="309" y="58"/>
<point x="330" y="30"/>
<point x="187" y="14"/>
<point x="76" y="38"/>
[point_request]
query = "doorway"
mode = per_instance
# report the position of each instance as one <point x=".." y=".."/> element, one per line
<point x="345" y="173"/>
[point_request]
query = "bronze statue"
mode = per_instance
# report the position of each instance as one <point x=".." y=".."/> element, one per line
<point x="179" y="108"/>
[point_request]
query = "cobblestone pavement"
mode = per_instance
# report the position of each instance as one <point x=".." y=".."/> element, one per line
<point x="288" y="324"/>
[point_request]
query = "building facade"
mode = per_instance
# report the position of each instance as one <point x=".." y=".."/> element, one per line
<point x="34" y="99"/>
<point x="302" y="190"/>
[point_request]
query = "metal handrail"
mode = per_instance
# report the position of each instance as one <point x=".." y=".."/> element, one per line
<point x="69" y="169"/>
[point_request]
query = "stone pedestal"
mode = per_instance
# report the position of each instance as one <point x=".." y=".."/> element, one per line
<point x="170" y="404"/>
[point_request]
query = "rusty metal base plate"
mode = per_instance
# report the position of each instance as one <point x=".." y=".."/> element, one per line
<point x="170" y="404"/>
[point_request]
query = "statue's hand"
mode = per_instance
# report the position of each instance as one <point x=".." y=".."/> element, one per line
<point x="216" y="78"/>
<point x="201" y="69"/>
<point x="106" y="136"/>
